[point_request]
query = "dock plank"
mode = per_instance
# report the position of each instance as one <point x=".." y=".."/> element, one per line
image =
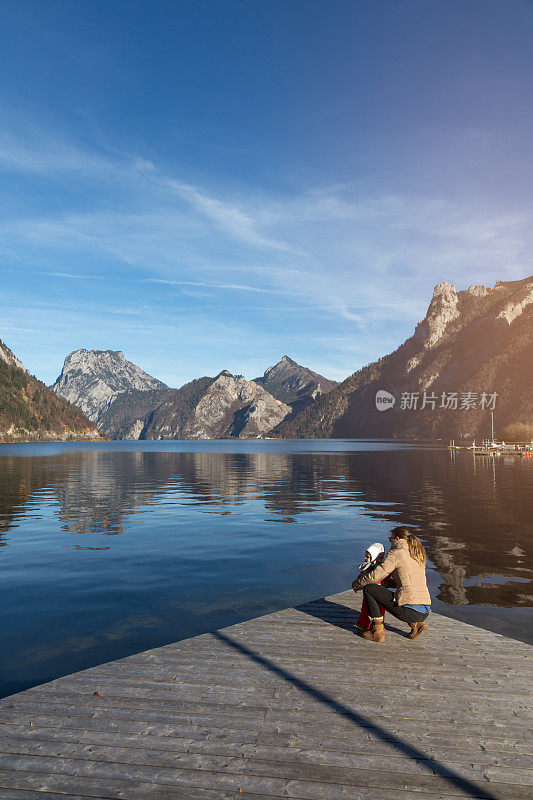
<point x="289" y="705"/>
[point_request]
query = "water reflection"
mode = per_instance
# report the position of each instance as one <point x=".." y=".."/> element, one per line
<point x="109" y="550"/>
<point x="475" y="515"/>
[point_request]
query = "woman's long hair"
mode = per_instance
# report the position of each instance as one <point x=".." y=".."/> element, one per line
<point x="416" y="548"/>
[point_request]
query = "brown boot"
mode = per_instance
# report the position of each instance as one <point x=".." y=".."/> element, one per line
<point x="376" y="632"/>
<point x="416" y="629"/>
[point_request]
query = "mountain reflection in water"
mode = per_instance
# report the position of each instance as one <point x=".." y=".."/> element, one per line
<point x="191" y="545"/>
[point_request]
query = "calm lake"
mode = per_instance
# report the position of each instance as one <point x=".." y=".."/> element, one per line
<point x="108" y="549"/>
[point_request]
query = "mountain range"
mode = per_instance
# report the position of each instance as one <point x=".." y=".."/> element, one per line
<point x="227" y="406"/>
<point x="126" y="402"/>
<point x="469" y="360"/>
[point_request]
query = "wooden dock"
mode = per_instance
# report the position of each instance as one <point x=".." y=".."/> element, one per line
<point x="289" y="705"/>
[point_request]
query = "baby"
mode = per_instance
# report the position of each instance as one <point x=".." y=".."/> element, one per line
<point x="374" y="555"/>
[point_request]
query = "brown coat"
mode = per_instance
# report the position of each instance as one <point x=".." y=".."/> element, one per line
<point x="408" y="575"/>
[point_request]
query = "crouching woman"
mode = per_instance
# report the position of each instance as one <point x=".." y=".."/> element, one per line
<point x="405" y="563"/>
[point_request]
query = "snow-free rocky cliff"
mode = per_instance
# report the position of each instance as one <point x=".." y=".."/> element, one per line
<point x="214" y="408"/>
<point x="295" y="385"/>
<point x="92" y="379"/>
<point x="8" y="358"/>
<point x="470" y="341"/>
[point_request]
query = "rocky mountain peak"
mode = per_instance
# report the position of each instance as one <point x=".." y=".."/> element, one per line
<point x="448" y="305"/>
<point x="516" y="305"/>
<point x="478" y="291"/>
<point x="289" y="382"/>
<point x="441" y="311"/>
<point x="226" y="406"/>
<point x="85" y="357"/>
<point x="91" y="379"/>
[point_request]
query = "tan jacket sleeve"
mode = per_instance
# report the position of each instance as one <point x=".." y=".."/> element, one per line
<point x="387" y="566"/>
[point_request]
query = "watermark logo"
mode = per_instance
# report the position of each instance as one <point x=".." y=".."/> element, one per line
<point x="384" y="400"/>
<point x="451" y="401"/>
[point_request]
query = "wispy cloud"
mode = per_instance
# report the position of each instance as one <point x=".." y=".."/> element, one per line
<point x="230" y="219"/>
<point x="233" y="286"/>
<point x="359" y="265"/>
<point x="73" y="275"/>
<point x="43" y="154"/>
<point x="354" y="259"/>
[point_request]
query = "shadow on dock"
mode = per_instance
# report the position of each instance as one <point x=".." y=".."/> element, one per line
<point x="342" y="617"/>
<point x="290" y="704"/>
<point x="361" y="721"/>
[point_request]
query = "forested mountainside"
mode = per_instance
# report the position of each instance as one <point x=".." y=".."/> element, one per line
<point x="472" y="353"/>
<point x="30" y="411"/>
<point x="127" y="414"/>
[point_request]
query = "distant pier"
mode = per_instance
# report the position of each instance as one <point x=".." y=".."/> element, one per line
<point x="488" y="447"/>
<point x="289" y="705"/>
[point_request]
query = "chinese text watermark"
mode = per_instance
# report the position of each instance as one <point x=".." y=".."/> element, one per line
<point x="450" y="401"/>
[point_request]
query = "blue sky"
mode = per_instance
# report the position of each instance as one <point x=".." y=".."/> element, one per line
<point x="209" y="184"/>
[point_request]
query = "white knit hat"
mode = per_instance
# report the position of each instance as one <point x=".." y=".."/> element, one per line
<point x="375" y="549"/>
